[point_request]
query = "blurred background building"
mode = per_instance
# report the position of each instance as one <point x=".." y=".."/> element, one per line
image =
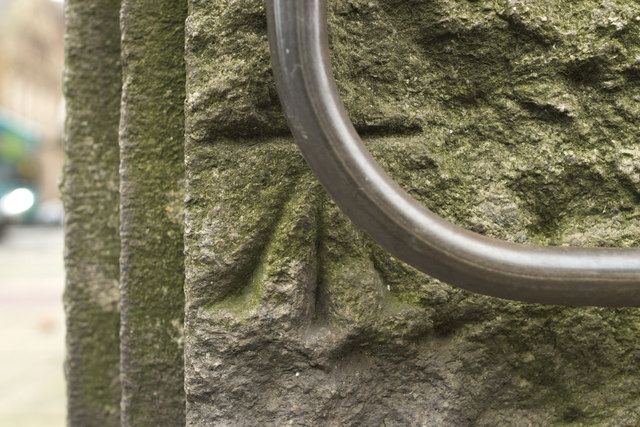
<point x="31" y="249"/>
<point x="31" y="105"/>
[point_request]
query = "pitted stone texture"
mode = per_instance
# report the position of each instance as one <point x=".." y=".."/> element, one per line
<point x="152" y="206"/>
<point x="90" y="194"/>
<point x="514" y="119"/>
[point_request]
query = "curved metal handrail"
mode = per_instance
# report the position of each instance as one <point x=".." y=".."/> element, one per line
<point x="408" y="230"/>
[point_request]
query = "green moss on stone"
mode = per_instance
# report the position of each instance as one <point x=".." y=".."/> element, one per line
<point x="90" y="194"/>
<point x="152" y="207"/>
<point x="515" y="119"/>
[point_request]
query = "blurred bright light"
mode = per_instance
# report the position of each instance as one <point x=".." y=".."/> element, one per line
<point x="18" y="201"/>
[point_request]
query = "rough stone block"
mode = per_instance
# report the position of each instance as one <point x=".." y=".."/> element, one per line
<point x="514" y="119"/>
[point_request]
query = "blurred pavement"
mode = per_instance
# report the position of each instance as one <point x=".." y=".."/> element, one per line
<point x="32" y="390"/>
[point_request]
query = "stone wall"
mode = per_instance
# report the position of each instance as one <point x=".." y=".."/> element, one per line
<point x="515" y="119"/>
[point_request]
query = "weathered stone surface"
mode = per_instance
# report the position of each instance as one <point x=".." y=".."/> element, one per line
<point x="516" y="119"/>
<point x="152" y="194"/>
<point x="90" y="192"/>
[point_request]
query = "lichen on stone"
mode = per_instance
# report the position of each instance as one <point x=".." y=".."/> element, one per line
<point x="515" y="119"/>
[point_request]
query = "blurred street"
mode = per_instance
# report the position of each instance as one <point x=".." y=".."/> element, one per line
<point x="31" y="327"/>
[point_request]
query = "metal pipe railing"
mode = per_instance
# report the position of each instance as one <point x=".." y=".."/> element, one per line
<point x="408" y="230"/>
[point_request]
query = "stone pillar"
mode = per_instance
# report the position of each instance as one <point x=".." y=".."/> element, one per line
<point x="514" y="119"/>
<point x="151" y="206"/>
<point x="92" y="86"/>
